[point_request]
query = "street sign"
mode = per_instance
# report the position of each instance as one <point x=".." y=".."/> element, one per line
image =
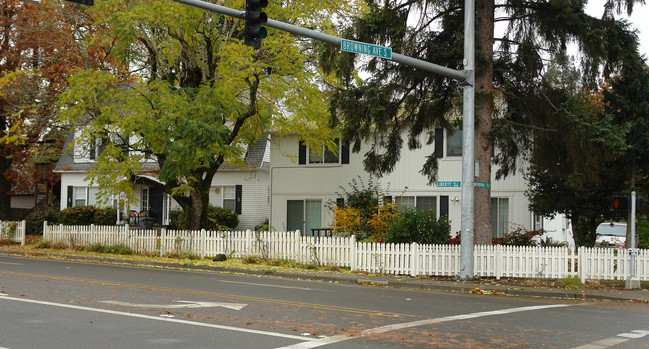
<point x="367" y="49"/>
<point x="457" y="184"/>
<point x="448" y="184"/>
<point x="634" y="252"/>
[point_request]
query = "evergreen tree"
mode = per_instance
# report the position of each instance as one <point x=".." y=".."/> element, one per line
<point x="395" y="99"/>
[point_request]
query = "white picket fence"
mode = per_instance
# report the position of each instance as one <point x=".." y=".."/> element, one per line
<point x="13" y="231"/>
<point x="400" y="259"/>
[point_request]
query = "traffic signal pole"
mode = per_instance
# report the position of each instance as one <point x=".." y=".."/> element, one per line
<point x="459" y="75"/>
<point x="632" y="282"/>
<point x="466" y="76"/>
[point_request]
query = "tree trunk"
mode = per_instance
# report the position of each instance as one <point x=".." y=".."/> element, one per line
<point x="583" y="230"/>
<point x="5" y="189"/>
<point x="195" y="207"/>
<point x="484" y="113"/>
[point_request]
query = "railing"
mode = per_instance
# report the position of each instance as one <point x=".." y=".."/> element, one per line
<point x="13" y="231"/>
<point x="400" y="259"/>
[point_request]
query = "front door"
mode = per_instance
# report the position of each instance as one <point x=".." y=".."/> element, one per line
<point x="156" y="204"/>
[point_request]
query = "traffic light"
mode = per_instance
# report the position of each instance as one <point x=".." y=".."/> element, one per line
<point x="620" y="203"/>
<point x="255" y="17"/>
<point x="84" y="2"/>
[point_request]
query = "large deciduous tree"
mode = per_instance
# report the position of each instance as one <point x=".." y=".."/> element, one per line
<point x="197" y="97"/>
<point x="509" y="63"/>
<point x="38" y="51"/>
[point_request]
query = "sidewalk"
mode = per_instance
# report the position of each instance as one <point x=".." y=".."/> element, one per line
<point x="392" y="281"/>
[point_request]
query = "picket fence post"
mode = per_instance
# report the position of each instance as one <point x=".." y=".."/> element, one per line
<point x="23" y="227"/>
<point x="163" y="237"/>
<point x="298" y="246"/>
<point x="414" y="259"/>
<point x="580" y="264"/>
<point x="498" y="260"/>
<point x="126" y="231"/>
<point x="202" y="243"/>
<point x="352" y="252"/>
<point x="249" y="244"/>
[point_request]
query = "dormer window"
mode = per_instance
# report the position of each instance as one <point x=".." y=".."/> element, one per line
<point x="87" y="151"/>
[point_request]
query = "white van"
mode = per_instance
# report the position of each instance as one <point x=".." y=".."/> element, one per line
<point x="611" y="234"/>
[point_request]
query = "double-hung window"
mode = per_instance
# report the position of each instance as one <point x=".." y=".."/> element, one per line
<point x="454" y="143"/>
<point x="421" y="203"/>
<point x="84" y="196"/>
<point x="229" y="198"/>
<point x="323" y="155"/>
<point x="499" y="216"/>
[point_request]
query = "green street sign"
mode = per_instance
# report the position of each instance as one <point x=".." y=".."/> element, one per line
<point x="457" y="184"/>
<point x="448" y="184"/>
<point x="367" y="49"/>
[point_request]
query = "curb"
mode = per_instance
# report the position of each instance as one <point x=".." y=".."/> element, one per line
<point x="380" y="281"/>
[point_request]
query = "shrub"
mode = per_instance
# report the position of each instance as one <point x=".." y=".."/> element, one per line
<point x="264" y="226"/>
<point x="361" y="205"/>
<point x="571" y="283"/>
<point x="119" y="249"/>
<point x="176" y="219"/>
<point x="105" y="216"/>
<point x="86" y="215"/>
<point x="34" y="221"/>
<point x="218" y="218"/>
<point x="78" y="215"/>
<point x="43" y="244"/>
<point x="96" y="247"/>
<point x="418" y="226"/>
<point x="519" y="237"/>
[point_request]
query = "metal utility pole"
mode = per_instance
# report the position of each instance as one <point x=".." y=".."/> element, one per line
<point x="468" y="147"/>
<point x="632" y="282"/>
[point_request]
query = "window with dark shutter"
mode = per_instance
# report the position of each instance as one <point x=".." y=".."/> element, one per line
<point x="70" y="194"/>
<point x="344" y="154"/>
<point x="237" y="201"/>
<point x="302" y="153"/>
<point x="443" y="206"/>
<point x="439" y="143"/>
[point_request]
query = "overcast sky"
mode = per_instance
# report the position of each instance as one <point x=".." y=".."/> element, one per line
<point x="639" y="19"/>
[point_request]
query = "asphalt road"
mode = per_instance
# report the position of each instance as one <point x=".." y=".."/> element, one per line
<point x="55" y="304"/>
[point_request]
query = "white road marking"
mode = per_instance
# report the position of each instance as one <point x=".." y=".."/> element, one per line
<point x="10" y="264"/>
<point x="187" y="304"/>
<point x="609" y="342"/>
<point x="265" y="285"/>
<point x="387" y="328"/>
<point x="149" y="317"/>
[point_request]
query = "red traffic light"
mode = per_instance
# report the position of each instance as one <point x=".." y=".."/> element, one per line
<point x="620" y="203"/>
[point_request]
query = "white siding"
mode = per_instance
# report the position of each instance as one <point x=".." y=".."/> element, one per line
<point x="254" y="202"/>
<point x="291" y="181"/>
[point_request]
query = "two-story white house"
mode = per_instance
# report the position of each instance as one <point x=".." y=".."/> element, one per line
<point x="306" y="182"/>
<point x="243" y="190"/>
